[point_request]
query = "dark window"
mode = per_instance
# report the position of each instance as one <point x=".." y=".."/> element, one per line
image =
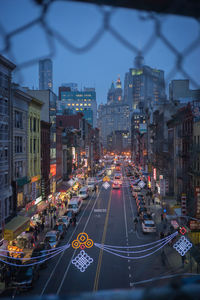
<point x="31" y="124"/>
<point x="18" y="144"/>
<point x="34" y="124"/>
<point x="18" y="119"/>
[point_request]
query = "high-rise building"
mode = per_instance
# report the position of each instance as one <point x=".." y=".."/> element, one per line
<point x="143" y="84"/>
<point x="6" y="205"/>
<point x="115" y="93"/>
<point x="179" y="90"/>
<point x="45" y="74"/>
<point x="113" y="117"/>
<point x="72" y="102"/>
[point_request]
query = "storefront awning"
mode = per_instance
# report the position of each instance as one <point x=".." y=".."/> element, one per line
<point x="16" y="226"/>
<point x="63" y="187"/>
<point x="41" y="206"/>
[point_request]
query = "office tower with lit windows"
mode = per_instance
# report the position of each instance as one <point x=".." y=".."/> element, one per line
<point x="72" y="102"/>
<point x="143" y="85"/>
<point x="45" y="74"/>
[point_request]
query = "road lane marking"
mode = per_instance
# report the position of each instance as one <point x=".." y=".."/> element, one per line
<point x="125" y="214"/>
<point x="47" y="282"/>
<point x="65" y="274"/>
<point x="96" y="281"/>
<point x="100" y="210"/>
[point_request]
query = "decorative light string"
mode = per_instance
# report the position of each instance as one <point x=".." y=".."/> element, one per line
<point x="128" y="257"/>
<point x="35" y="263"/>
<point x="171" y="236"/>
<point x="139" y="251"/>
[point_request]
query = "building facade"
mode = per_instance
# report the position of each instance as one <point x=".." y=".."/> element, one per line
<point x="72" y="102"/>
<point x="45" y="159"/>
<point x="45" y="74"/>
<point x="34" y="151"/>
<point x="20" y="110"/>
<point x="48" y="114"/>
<point x="6" y="205"/>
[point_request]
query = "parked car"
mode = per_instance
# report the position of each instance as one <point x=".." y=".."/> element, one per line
<point x="148" y="226"/>
<point x="61" y="228"/>
<point x="25" y="277"/>
<point x="75" y="205"/>
<point x="91" y="182"/>
<point x="65" y="220"/>
<point x="83" y="193"/>
<point x="52" y="238"/>
<point x="69" y="215"/>
<point x="40" y="253"/>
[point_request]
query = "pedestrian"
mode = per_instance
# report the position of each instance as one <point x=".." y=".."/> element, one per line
<point x="135" y="223"/>
<point x="162" y="235"/>
<point x="183" y="260"/>
<point x="74" y="220"/>
<point x="161" y="217"/>
<point x="153" y="201"/>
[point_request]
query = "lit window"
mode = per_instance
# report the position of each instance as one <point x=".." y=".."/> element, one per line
<point x="72" y="104"/>
<point x="69" y="104"/>
<point x="89" y="104"/>
<point x="77" y="108"/>
<point x="81" y="104"/>
<point x="77" y="104"/>
<point x="81" y="109"/>
<point x="85" y="104"/>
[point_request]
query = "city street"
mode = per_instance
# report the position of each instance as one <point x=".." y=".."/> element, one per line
<point x="107" y="218"/>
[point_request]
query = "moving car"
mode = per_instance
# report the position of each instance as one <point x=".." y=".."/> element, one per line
<point x="52" y="238"/>
<point x="148" y="226"/>
<point x="83" y="193"/>
<point x="116" y="184"/>
<point x="75" y="205"/>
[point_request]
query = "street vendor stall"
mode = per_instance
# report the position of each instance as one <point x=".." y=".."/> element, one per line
<point x="15" y="227"/>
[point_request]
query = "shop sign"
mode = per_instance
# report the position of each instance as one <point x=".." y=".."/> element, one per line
<point x="183" y="204"/>
<point x="35" y="178"/>
<point x="33" y="193"/>
<point x="149" y="168"/>
<point x="174" y="224"/>
<point x="38" y="200"/>
<point x="53" y="169"/>
<point x="197" y="196"/>
<point x="194" y="225"/>
<point x="29" y="205"/>
<point x="162" y="187"/>
<point x="154" y="173"/>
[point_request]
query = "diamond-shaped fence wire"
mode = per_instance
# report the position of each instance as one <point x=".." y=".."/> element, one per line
<point x="154" y="11"/>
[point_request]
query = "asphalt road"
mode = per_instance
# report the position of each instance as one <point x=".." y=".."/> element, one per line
<point x="107" y="218"/>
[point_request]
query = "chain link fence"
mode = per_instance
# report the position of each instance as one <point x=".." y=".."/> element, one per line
<point x="161" y="10"/>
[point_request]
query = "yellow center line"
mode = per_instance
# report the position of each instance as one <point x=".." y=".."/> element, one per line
<point x="96" y="281"/>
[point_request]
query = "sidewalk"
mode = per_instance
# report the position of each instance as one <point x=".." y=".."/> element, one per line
<point x="172" y="257"/>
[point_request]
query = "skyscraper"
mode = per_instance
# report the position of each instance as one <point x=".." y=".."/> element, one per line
<point x="143" y="84"/>
<point x="72" y="102"/>
<point x="45" y="74"/>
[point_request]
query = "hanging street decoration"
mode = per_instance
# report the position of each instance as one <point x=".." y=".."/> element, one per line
<point x="106" y="185"/>
<point x="82" y="261"/>
<point x="182" y="246"/>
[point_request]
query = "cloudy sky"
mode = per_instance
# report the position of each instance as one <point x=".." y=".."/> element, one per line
<point x="107" y="57"/>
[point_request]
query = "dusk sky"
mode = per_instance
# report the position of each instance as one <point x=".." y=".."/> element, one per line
<point x="108" y="58"/>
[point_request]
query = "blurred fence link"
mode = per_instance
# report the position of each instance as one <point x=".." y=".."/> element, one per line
<point x="53" y="36"/>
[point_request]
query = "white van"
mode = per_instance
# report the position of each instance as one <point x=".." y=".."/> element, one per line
<point x="83" y="193"/>
<point x="75" y="205"/>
